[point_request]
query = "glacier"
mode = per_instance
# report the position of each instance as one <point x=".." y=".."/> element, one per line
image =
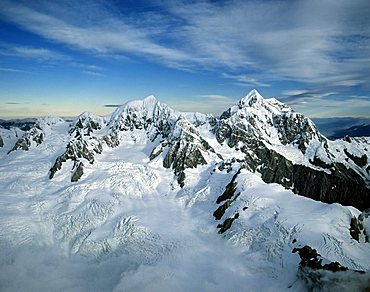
<point x="151" y="199"/>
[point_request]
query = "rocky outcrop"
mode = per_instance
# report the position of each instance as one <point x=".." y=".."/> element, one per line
<point x="185" y="149"/>
<point x="182" y="155"/>
<point x="227" y="223"/>
<point x="76" y="149"/>
<point x="310" y="258"/>
<point x="358" y="227"/>
<point x="328" y="277"/>
<point x="295" y="129"/>
<point x="78" y="171"/>
<point x="1" y="142"/>
<point x="342" y="185"/>
<point x="35" y="134"/>
<point x="360" y="161"/>
<point x="85" y="124"/>
<point x="83" y="145"/>
<point x="230" y="189"/>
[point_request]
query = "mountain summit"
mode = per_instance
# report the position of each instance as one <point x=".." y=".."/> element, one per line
<point x="251" y="99"/>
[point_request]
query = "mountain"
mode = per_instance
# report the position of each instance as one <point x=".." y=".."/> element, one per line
<point x="161" y="196"/>
<point x="23" y="124"/>
<point x="337" y="128"/>
<point x="354" y="131"/>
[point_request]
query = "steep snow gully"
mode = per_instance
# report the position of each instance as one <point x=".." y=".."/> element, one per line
<point x="150" y="199"/>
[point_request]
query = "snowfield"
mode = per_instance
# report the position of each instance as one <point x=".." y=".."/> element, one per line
<point x="127" y="225"/>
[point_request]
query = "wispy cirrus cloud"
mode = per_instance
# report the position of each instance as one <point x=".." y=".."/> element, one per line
<point x="216" y="98"/>
<point x="202" y="103"/>
<point x="43" y="54"/>
<point x="93" y="73"/>
<point x="13" y="70"/>
<point x="245" y="80"/>
<point x="325" y="107"/>
<point x="324" y="45"/>
<point x="280" y="39"/>
<point x="95" y="28"/>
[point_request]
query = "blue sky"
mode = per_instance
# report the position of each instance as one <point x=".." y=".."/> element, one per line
<point x="65" y="57"/>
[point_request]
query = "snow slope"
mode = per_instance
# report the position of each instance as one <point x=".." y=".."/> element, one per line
<point x="129" y="224"/>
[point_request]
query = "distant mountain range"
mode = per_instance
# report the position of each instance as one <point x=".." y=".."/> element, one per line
<point x="333" y="128"/>
<point x="336" y="128"/>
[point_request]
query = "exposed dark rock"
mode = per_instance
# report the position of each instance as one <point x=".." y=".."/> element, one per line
<point x="156" y="152"/>
<point x="78" y="171"/>
<point x="347" y="139"/>
<point x="360" y="161"/>
<point x="230" y="189"/>
<point x="84" y="125"/>
<point x="1" y="142"/>
<point x="318" y="162"/>
<point x="365" y="215"/>
<point x="24" y="143"/>
<point x="312" y="259"/>
<point x="277" y="169"/>
<point x="356" y="228"/>
<point x="111" y="140"/>
<point x="76" y="149"/>
<point x="328" y="277"/>
<point x="57" y="165"/>
<point x="295" y="128"/>
<point x="185" y="153"/>
<point x="181" y="179"/>
<point x="342" y="186"/>
<point x="221" y="210"/>
<point x="227" y="224"/>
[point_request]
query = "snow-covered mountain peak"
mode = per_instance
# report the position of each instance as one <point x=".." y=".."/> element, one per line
<point x="86" y="123"/>
<point x="147" y="104"/>
<point x="140" y="112"/>
<point x="253" y="98"/>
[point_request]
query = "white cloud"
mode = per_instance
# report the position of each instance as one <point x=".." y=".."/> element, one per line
<point x="244" y="80"/>
<point x="205" y="103"/>
<point x="42" y="54"/>
<point x="107" y="34"/>
<point x="12" y="70"/>
<point x="294" y="92"/>
<point x="322" y="44"/>
<point x="93" y="73"/>
<point x="324" y="107"/>
<point x="217" y="98"/>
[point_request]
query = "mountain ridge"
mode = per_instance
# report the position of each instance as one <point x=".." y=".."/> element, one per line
<point x="155" y="193"/>
<point x="268" y="132"/>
